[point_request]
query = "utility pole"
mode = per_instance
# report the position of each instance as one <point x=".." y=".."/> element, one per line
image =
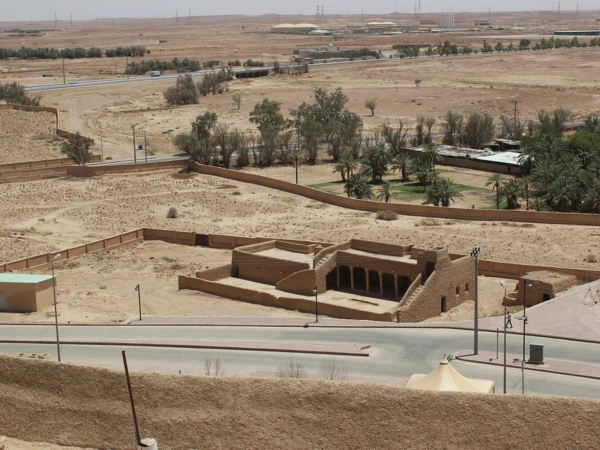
<point x="63" y="64"/>
<point x="71" y="14"/>
<point x="101" y="144"/>
<point x="127" y="62"/>
<point x="515" y="120"/>
<point x="55" y="22"/>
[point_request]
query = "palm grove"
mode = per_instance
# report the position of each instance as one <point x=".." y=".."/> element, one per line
<point x="560" y="173"/>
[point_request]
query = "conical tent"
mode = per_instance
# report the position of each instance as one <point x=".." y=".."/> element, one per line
<point x="446" y="378"/>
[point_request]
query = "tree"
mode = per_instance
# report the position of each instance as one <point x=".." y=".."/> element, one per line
<point x="512" y="190"/>
<point x="417" y="82"/>
<point x="431" y="152"/>
<point x="183" y="93"/>
<point x="402" y="162"/>
<point x="452" y="128"/>
<point x="479" y="130"/>
<point x="375" y="161"/>
<point x="371" y="104"/>
<point x="422" y="170"/>
<point x="495" y="181"/>
<point x="443" y="191"/>
<point x="394" y="137"/>
<point x="311" y="131"/>
<point x="385" y="192"/>
<point x="15" y="94"/>
<point x="525" y="181"/>
<point x="271" y="124"/>
<point x="358" y="186"/>
<point x="228" y="142"/>
<point x="237" y="99"/>
<point x="78" y="148"/>
<point x="346" y="166"/>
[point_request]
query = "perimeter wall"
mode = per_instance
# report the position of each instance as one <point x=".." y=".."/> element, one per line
<point x="403" y="209"/>
<point x="488" y="268"/>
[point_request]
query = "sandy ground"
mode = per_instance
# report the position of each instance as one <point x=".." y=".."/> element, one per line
<point x="16" y="444"/>
<point x="28" y="136"/>
<point x="82" y="406"/>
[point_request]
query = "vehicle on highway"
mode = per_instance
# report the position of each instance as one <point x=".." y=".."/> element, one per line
<point x="155" y="73"/>
<point x="72" y="82"/>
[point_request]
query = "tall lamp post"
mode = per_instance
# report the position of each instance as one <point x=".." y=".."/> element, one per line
<point x="139" y="291"/>
<point x="475" y="255"/>
<point x="525" y="322"/>
<point x="316" y="303"/>
<point x="57" y="256"/>
<point x="503" y="284"/>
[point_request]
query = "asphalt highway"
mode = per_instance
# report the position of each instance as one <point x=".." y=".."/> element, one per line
<point x="395" y="354"/>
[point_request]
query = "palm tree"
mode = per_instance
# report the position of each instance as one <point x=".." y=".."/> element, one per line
<point x="443" y="191"/>
<point x="402" y="162"/>
<point x="496" y="181"/>
<point x="358" y="186"/>
<point x="346" y="165"/>
<point x="422" y="170"/>
<point x="385" y="192"/>
<point x="526" y="186"/>
<point x="592" y="125"/>
<point x="375" y="161"/>
<point x="564" y="192"/>
<point x="512" y="190"/>
<point x="591" y="197"/>
<point x="432" y="154"/>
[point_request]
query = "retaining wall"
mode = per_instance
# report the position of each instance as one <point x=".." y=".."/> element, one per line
<point x="401" y="208"/>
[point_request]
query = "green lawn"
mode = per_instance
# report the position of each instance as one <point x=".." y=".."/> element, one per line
<point x="408" y="191"/>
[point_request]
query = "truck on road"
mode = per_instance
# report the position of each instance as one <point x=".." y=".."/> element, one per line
<point x="155" y="73"/>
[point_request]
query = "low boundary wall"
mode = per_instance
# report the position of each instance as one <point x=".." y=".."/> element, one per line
<point x="93" y="171"/>
<point x="11" y="167"/>
<point x="402" y="208"/>
<point x="45" y="259"/>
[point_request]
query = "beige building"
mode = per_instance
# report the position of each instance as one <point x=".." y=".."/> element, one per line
<point x="355" y="279"/>
<point x="538" y="287"/>
<point x="25" y="292"/>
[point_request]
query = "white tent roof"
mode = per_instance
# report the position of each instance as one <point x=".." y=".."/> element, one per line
<point x="445" y="378"/>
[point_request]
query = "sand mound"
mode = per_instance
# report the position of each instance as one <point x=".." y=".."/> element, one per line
<point x="82" y="406"/>
<point x="27" y="136"/>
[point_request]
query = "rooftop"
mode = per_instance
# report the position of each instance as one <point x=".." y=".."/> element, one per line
<point x="23" y="278"/>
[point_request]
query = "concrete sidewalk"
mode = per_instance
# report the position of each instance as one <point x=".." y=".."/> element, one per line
<point x="550" y="365"/>
<point x="571" y="316"/>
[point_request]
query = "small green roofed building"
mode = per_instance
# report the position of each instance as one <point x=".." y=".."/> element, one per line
<point x="20" y="292"/>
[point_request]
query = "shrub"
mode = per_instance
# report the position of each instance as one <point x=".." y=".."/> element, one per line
<point x="292" y="369"/>
<point x="172" y="213"/>
<point x="386" y="215"/>
<point x="331" y="369"/>
<point x="591" y="258"/>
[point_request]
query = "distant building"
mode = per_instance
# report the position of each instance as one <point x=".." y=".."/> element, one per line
<point x="354" y="280"/>
<point x="25" y="292"/>
<point x="447" y="20"/>
<point x="291" y="28"/>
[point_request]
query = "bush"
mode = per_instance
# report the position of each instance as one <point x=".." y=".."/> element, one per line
<point x="292" y="370"/>
<point x="183" y="93"/>
<point x="15" y="93"/>
<point x="331" y="369"/>
<point x="591" y="258"/>
<point x="172" y="213"/>
<point x="386" y="215"/>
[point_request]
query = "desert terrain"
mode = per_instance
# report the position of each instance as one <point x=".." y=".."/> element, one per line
<point x="52" y="214"/>
<point x="184" y="412"/>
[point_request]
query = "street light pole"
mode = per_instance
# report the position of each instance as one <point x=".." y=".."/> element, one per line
<point x="316" y="304"/>
<point x="57" y="256"/>
<point x="139" y="291"/>
<point x="475" y="254"/>
<point x="503" y="284"/>
<point x="134" y="149"/>
<point x="523" y="358"/>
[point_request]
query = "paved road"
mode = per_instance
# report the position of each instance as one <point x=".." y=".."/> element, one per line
<point x="394" y="356"/>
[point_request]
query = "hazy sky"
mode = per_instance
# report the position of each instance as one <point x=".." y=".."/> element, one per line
<point x="85" y="9"/>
